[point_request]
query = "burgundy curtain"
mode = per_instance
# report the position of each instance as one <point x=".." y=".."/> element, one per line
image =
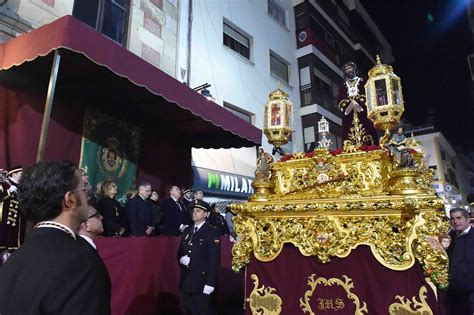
<point x="145" y="276"/>
<point x="21" y="115"/>
<point x="164" y="157"/>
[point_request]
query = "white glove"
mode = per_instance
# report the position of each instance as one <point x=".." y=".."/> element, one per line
<point x="208" y="289"/>
<point x="182" y="227"/>
<point x="184" y="260"/>
<point x="12" y="189"/>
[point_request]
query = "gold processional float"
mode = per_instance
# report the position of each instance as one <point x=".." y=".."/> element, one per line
<point x="326" y="204"/>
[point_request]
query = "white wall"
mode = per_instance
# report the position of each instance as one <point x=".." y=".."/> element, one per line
<point x="428" y="142"/>
<point x="235" y="79"/>
<point x="432" y="144"/>
<point x="37" y="12"/>
<point x="153" y="33"/>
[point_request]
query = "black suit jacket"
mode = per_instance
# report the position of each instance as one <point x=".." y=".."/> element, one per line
<point x="98" y="261"/>
<point x="112" y="213"/>
<point x="461" y="262"/>
<point x="54" y="274"/>
<point x="173" y="217"/>
<point x="139" y="215"/>
<point x="203" y="248"/>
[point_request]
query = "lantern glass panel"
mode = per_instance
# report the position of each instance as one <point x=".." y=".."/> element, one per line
<point x="265" y="118"/>
<point x="381" y="92"/>
<point x="395" y="91"/>
<point x="275" y="115"/>
<point x="369" y="98"/>
<point x="323" y="126"/>
<point x="289" y="115"/>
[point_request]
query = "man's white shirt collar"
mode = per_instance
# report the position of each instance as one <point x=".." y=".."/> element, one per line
<point x="466" y="230"/>
<point x="89" y="240"/>
<point x="199" y="226"/>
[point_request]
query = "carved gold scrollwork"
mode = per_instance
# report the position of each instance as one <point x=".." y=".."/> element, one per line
<point x="327" y="205"/>
<point x="413" y="307"/>
<point x="263" y="301"/>
<point x="338" y="304"/>
<point x="431" y="255"/>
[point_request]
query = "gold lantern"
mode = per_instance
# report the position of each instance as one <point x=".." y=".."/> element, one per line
<point x="278" y="119"/>
<point x="384" y="98"/>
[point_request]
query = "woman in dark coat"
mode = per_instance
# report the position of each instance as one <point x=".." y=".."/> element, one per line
<point x="111" y="210"/>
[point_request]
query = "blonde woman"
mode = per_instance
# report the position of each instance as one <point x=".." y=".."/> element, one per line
<point x="111" y="210"/>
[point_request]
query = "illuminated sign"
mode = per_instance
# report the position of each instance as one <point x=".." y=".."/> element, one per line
<point x="222" y="183"/>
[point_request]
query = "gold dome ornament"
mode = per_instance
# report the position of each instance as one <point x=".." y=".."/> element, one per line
<point x="384" y="101"/>
<point x="278" y="119"/>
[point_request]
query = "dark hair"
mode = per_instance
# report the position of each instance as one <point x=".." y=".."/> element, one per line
<point x="442" y="236"/>
<point x="349" y="64"/>
<point x="42" y="188"/>
<point x="465" y="213"/>
<point x="143" y="184"/>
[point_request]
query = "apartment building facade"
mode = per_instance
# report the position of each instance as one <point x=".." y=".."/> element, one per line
<point x="451" y="177"/>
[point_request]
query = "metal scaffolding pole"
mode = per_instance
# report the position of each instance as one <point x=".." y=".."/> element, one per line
<point x="48" y="106"/>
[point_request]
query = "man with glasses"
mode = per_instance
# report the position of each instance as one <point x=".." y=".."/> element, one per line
<point x="92" y="199"/>
<point x="92" y="227"/>
<point x="52" y="272"/>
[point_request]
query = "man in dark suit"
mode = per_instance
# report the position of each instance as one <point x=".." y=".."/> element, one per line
<point x="91" y="228"/>
<point x="175" y="215"/>
<point x="461" y="264"/>
<point x="140" y="213"/>
<point x="52" y="273"/>
<point x="199" y="259"/>
<point x="88" y="231"/>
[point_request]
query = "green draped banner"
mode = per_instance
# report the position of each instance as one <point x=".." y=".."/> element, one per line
<point x="110" y="151"/>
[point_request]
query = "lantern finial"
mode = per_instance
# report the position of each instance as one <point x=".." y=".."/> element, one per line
<point x="379" y="62"/>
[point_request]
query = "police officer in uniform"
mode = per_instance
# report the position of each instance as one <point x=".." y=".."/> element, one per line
<point x="199" y="259"/>
<point x="12" y="225"/>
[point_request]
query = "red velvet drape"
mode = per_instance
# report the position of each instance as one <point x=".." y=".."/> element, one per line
<point x="164" y="157"/>
<point x="21" y="115"/>
<point x="145" y="276"/>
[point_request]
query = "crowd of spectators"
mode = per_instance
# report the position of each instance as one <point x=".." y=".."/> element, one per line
<point x="143" y="214"/>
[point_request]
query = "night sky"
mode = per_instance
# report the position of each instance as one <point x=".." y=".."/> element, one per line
<point x="430" y="40"/>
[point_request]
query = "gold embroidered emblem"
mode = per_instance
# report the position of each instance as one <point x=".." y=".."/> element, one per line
<point x="262" y="300"/>
<point x="411" y="307"/>
<point x="327" y="304"/>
